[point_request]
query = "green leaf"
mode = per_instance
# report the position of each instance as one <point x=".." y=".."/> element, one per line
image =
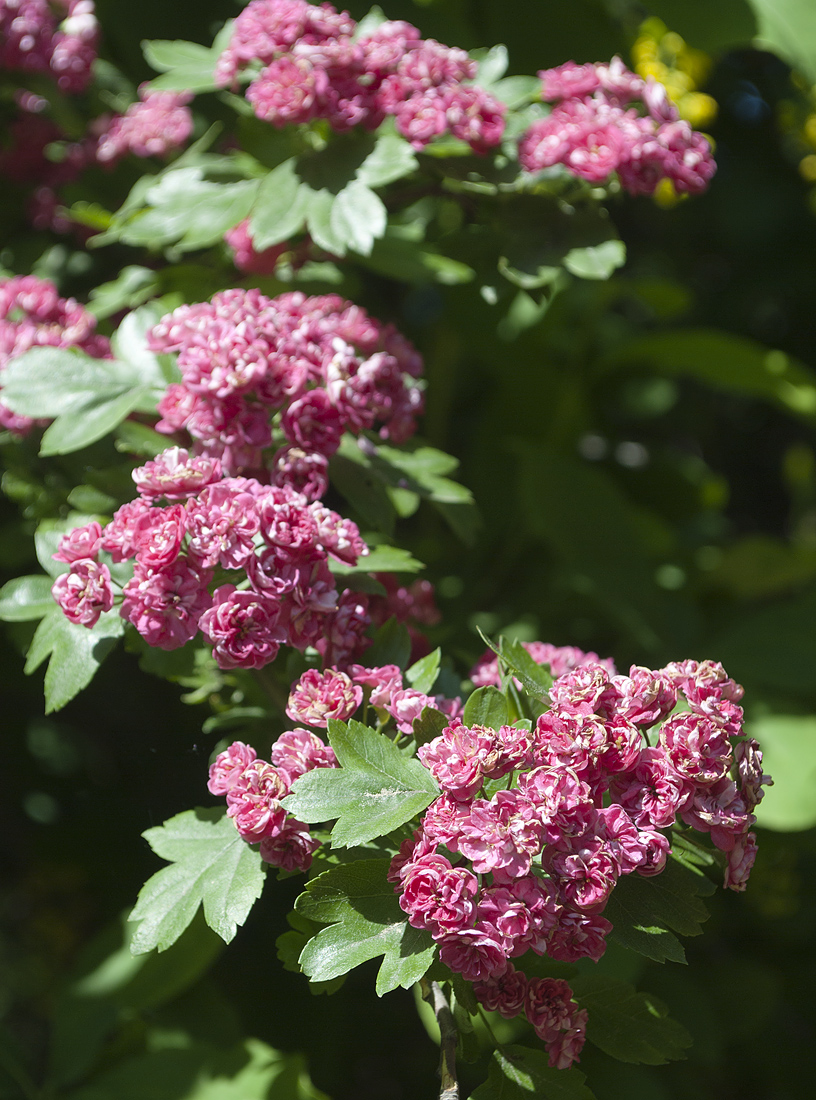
<point x="210" y="865"/>
<point x="391" y="159"/>
<point x="423" y="673"/>
<point x="492" y="65"/>
<point x="429" y="725"/>
<point x="46" y="382"/>
<point x="133" y="286"/>
<point x="628" y="1025"/>
<point x="188" y="66"/>
<point x="596" y="262"/>
<point x="133" y="438"/>
<point x="318" y="220"/>
<point x="726" y="362"/>
<point x="652" y="942"/>
<point x="362" y="488"/>
<point x="567" y="502"/>
<point x="358" y="217"/>
<point x="380" y="559"/>
<point x="412" y="261"/>
<point x="538" y="240"/>
<point x="788" y="28"/>
<point x="74" y="653"/>
<point x="112" y="984"/>
<point x="487" y="706"/>
<point x="88" y="397"/>
<point x="184" y="209"/>
<point x="26" y="598"/>
<point x="375" y="790"/>
<point x="391" y="645"/>
<point x="715" y="28"/>
<point x="515" y="91"/>
<point x="789" y="754"/>
<point x="534" y="678"/>
<point x="73" y="431"/>
<point x="365" y="921"/>
<point x="645" y="912"/>
<point x="249" y="1071"/>
<point x="280" y="206"/>
<point x="517" y="1073"/>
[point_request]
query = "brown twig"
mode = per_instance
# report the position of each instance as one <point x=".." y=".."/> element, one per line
<point x="448" y="1038"/>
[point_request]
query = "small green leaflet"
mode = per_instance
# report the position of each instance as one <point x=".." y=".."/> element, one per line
<point x="429" y="725"/>
<point x="534" y="678"/>
<point x="75" y="653"/>
<point x="517" y="1073"/>
<point x="391" y="645"/>
<point x="360" y="906"/>
<point x="627" y="1025"/>
<point x="487" y="706"/>
<point x="376" y="788"/>
<point x="423" y="673"/>
<point x="380" y="559"/>
<point x="210" y="865"/>
<point x="26" y="598"/>
<point x="186" y="66"/>
<point x="645" y="912"/>
<point x="203" y="1071"/>
<point x="86" y="397"/>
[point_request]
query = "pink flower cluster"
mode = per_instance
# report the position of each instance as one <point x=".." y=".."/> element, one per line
<point x="547" y="1004"/>
<point x="315" y="67"/>
<point x="152" y="127"/>
<point x="32" y="314"/>
<point x="55" y="37"/>
<point x="254" y="789"/>
<point x="607" y="119"/>
<point x="273" y="541"/>
<point x="585" y="795"/>
<point x="318" y="697"/>
<point x="320" y="366"/>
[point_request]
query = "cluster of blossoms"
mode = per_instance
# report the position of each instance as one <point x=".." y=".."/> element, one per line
<point x="584" y="796"/>
<point x="55" y="37"/>
<point x="273" y="543"/>
<point x="32" y="314"/>
<point x="155" y="126"/>
<point x="254" y="789"/>
<point x="320" y="366"/>
<point x="158" y="123"/>
<point x="607" y="119"/>
<point x="318" y="697"/>
<point x="315" y="67"/>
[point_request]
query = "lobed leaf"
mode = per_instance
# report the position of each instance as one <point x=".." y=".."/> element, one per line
<point x="365" y="921"/>
<point x="26" y="598"/>
<point x="210" y="866"/>
<point x="380" y="559"/>
<point x="375" y="790"/>
<point x="74" y="653"/>
<point x="518" y="1073"/>
<point x="627" y="1025"/>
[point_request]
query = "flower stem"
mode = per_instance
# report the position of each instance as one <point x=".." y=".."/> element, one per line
<point x="432" y="993"/>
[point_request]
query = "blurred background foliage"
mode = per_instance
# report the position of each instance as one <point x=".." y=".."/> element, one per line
<point x="643" y="455"/>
